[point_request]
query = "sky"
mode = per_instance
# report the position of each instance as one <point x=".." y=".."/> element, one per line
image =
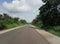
<point x="24" y="9"/>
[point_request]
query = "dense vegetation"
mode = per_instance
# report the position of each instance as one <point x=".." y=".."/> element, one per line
<point x="7" y="21"/>
<point x="49" y="17"/>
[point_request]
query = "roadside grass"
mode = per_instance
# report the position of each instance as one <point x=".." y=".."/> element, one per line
<point x="8" y="26"/>
<point x="55" y="30"/>
<point x="52" y="29"/>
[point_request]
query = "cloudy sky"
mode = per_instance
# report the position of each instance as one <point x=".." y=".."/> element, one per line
<point x="24" y="9"/>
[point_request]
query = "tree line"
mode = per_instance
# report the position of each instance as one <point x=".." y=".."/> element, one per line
<point x="49" y="15"/>
<point x="7" y="21"/>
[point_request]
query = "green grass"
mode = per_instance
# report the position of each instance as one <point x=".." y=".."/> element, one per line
<point x="54" y="30"/>
<point x="8" y="26"/>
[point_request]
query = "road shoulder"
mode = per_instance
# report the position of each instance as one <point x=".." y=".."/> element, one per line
<point x="7" y="30"/>
<point x="52" y="39"/>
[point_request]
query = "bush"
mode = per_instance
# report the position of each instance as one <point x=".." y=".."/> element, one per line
<point x="2" y="26"/>
<point x="7" y="21"/>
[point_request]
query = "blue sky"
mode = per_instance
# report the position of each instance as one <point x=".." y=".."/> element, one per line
<point x="24" y="9"/>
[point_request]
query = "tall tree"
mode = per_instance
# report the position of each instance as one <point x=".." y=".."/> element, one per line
<point x="49" y="14"/>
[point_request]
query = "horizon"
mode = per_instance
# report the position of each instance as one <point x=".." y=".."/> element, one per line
<point x="24" y="9"/>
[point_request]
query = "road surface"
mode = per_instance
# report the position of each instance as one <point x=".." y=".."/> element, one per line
<point x="25" y="35"/>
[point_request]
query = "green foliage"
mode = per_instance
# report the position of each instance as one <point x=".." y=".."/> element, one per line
<point x="54" y="30"/>
<point x="49" y="16"/>
<point x="23" y="21"/>
<point x="7" y="21"/>
<point x="52" y="2"/>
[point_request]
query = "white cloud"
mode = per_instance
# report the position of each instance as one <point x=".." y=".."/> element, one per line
<point x="24" y="9"/>
<point x="17" y="6"/>
<point x="2" y="10"/>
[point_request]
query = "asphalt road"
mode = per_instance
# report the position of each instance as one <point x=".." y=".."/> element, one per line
<point x="25" y="35"/>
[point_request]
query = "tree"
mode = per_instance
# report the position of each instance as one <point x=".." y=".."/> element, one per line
<point x="49" y="15"/>
<point x="8" y="21"/>
<point x="23" y="21"/>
